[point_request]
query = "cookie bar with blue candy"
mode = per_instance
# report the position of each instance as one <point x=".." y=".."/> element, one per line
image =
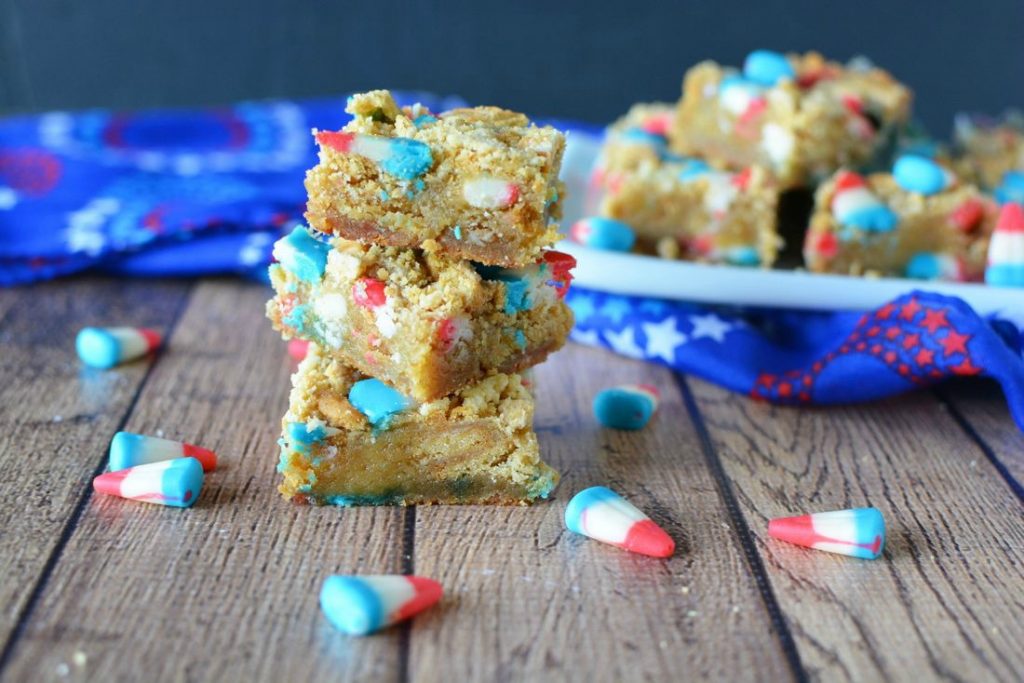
<point x="349" y="439"/>
<point x="478" y="184"/>
<point x="919" y="221"/>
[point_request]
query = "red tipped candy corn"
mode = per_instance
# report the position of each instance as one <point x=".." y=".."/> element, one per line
<point x="1006" y="249"/>
<point x="173" y="482"/>
<point x="128" y="450"/>
<point x="859" y="532"/>
<point x="105" y="347"/>
<point x="358" y="605"/>
<point x="602" y="514"/>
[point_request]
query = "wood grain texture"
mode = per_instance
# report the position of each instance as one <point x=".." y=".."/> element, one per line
<point x="57" y="416"/>
<point x="946" y="601"/>
<point x="529" y="600"/>
<point x="981" y="406"/>
<point x="226" y="590"/>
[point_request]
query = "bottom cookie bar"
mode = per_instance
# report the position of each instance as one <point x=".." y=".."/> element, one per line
<point x="351" y="440"/>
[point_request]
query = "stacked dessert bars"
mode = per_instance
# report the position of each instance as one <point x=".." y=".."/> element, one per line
<point x="425" y="287"/>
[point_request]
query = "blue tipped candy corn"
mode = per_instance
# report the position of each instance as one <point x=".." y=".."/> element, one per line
<point x="105" y="347"/>
<point x="627" y="407"/>
<point x="128" y="450"/>
<point x="358" y="605"/>
<point x="173" y="482"/>
<point x="603" y="233"/>
<point x="603" y="515"/>
<point x="859" y="532"/>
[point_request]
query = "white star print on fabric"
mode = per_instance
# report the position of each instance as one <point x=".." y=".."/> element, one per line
<point x="624" y="342"/>
<point x="663" y="339"/>
<point x="8" y="198"/>
<point x="590" y="337"/>
<point x="710" y="326"/>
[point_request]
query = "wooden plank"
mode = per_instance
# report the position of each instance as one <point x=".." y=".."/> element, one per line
<point x="945" y="599"/>
<point x="56" y="416"/>
<point x="226" y="590"/>
<point x="528" y="600"/>
<point x="981" y="406"/>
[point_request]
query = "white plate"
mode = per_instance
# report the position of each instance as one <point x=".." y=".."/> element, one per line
<point x="639" y="275"/>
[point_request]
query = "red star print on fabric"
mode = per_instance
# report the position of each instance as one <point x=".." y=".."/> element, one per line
<point x="954" y="342"/>
<point x="885" y="311"/>
<point x="917" y="339"/>
<point x="925" y="357"/>
<point x="910" y="309"/>
<point x="966" y="368"/>
<point x="934" y="318"/>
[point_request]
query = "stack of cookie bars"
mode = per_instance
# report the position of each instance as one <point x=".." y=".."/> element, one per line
<point x="424" y="287"/>
<point x="708" y="178"/>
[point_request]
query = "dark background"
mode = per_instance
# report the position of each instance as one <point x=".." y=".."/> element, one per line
<point x="569" y="59"/>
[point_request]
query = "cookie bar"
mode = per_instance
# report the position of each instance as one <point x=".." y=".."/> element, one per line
<point x="991" y="151"/>
<point x="636" y="139"/>
<point x="685" y="209"/>
<point x="421" y="323"/>
<point x="799" y="116"/>
<point x="349" y="440"/>
<point x="876" y="225"/>
<point x="479" y="184"/>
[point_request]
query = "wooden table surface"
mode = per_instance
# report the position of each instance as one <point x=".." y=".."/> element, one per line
<point x="102" y="589"/>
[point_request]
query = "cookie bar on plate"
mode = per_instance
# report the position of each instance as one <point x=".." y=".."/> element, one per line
<point x="799" y="116"/>
<point x="351" y="440"/>
<point x="479" y="184"/>
<point x="685" y="209"/>
<point x="919" y="221"/>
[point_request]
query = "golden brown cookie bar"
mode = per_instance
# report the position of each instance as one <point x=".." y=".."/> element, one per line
<point x="990" y="148"/>
<point x="424" y="324"/>
<point x="640" y="137"/>
<point x="873" y="225"/>
<point x="799" y="116"/>
<point x="478" y="184"/>
<point x="351" y="440"/>
<point x="685" y="209"/>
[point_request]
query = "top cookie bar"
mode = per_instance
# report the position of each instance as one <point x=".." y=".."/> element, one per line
<point x="799" y="116"/>
<point x="479" y="184"/>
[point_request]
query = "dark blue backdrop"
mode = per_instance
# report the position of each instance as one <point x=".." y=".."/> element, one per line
<point x="585" y="60"/>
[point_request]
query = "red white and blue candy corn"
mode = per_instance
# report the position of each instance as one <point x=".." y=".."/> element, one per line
<point x="128" y="450"/>
<point x="603" y="515"/>
<point x="172" y="482"/>
<point x="919" y="174"/>
<point x="490" y="193"/>
<point x="856" y="206"/>
<point x="403" y="158"/>
<point x="1006" y="250"/>
<point x="603" y="233"/>
<point x="358" y="605"/>
<point x="105" y="347"/>
<point x="859" y="532"/>
<point x="627" y="407"/>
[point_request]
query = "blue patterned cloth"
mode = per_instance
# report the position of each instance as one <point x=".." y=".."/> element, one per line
<point x="197" y="192"/>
